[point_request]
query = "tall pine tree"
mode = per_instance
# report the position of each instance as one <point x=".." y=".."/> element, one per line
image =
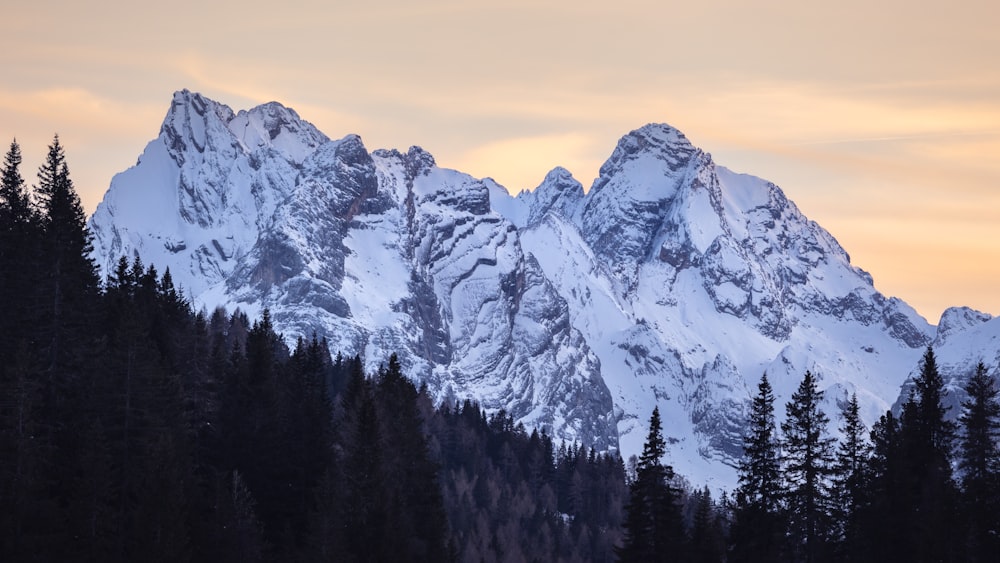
<point x="883" y="530"/>
<point x="850" y="481"/>
<point x="930" y="498"/>
<point x="64" y="322"/>
<point x="71" y="285"/>
<point x="758" y="530"/>
<point x="22" y="449"/>
<point x="15" y="203"/>
<point x="653" y="527"/>
<point x="19" y="239"/>
<point x="418" y="520"/>
<point x="808" y="456"/>
<point x="707" y="536"/>
<point x="979" y="463"/>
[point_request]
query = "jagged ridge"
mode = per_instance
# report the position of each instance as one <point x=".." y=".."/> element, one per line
<point x="672" y="281"/>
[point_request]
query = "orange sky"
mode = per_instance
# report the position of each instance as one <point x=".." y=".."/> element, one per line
<point x="881" y="122"/>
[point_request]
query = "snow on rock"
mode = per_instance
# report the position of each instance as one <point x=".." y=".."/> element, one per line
<point x="671" y="282"/>
<point x="965" y="337"/>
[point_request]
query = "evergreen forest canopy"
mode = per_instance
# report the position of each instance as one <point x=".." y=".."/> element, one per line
<point x="133" y="428"/>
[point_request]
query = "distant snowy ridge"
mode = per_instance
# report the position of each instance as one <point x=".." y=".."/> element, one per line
<point x="671" y="281"/>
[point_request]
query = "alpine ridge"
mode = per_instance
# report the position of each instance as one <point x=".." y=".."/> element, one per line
<point x="672" y="281"/>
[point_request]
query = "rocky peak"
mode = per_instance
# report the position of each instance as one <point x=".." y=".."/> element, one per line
<point x="194" y="121"/>
<point x="626" y="211"/>
<point x="186" y="103"/>
<point x="655" y="140"/>
<point x="418" y="162"/>
<point x="955" y="320"/>
<point x="559" y="193"/>
<point x="272" y="126"/>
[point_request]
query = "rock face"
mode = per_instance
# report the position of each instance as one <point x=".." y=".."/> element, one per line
<point x="380" y="252"/>
<point x="671" y="282"/>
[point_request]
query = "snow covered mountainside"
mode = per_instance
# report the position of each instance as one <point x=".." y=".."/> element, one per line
<point x="671" y="282"/>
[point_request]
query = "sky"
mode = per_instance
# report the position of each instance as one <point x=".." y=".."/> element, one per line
<point x="880" y="120"/>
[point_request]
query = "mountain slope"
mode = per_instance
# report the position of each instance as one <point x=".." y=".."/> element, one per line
<point x="699" y="280"/>
<point x="671" y="281"/>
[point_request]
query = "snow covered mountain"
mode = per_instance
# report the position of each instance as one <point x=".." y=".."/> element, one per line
<point x="671" y="282"/>
<point x="964" y="338"/>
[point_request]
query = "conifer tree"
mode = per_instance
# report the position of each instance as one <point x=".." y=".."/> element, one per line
<point x="410" y="473"/>
<point x="926" y="440"/>
<point x="653" y="526"/>
<point x="979" y="462"/>
<point x="758" y="528"/>
<point x="19" y="229"/>
<point x="707" y="544"/>
<point x="72" y="282"/>
<point x="808" y="456"/>
<point x="61" y="320"/>
<point x="24" y="448"/>
<point x="15" y="204"/>
<point x="850" y="480"/>
<point x="240" y="530"/>
<point x="365" y="510"/>
<point x="883" y="534"/>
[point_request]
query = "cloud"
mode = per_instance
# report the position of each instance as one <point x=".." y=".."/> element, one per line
<point x="76" y="107"/>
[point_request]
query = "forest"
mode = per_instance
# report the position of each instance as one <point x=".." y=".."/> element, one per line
<point x="135" y="428"/>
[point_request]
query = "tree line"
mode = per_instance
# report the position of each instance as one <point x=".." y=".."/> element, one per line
<point x="918" y="488"/>
<point x="133" y="427"/>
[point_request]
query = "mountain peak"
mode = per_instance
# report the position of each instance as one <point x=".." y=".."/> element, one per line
<point x="559" y="192"/>
<point x="418" y="161"/>
<point x="274" y="126"/>
<point x="656" y="140"/>
<point x="649" y="153"/>
<point x="671" y="283"/>
<point x="958" y="319"/>
<point x="660" y="134"/>
<point x="186" y="105"/>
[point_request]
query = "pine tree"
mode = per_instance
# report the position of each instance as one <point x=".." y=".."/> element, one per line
<point x="979" y="462"/>
<point x="240" y="535"/>
<point x="71" y="285"/>
<point x="808" y="456"/>
<point x="15" y="204"/>
<point x="25" y="444"/>
<point x="19" y="232"/>
<point x="23" y="448"/>
<point x="926" y="441"/>
<point x="653" y="526"/>
<point x="883" y="528"/>
<point x="62" y="321"/>
<point x="365" y="512"/>
<point x="707" y="544"/>
<point x="758" y="528"/>
<point x="419" y="522"/>
<point x="850" y="480"/>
